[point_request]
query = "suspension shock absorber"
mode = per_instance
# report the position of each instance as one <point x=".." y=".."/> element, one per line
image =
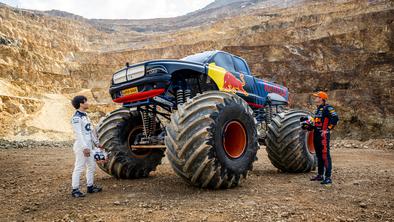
<point x="152" y="123"/>
<point x="145" y="123"/>
<point x="179" y="97"/>
<point x="188" y="94"/>
<point x="269" y="114"/>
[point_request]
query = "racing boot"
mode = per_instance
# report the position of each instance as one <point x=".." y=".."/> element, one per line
<point x="326" y="181"/>
<point x="317" y="178"/>
<point x="77" y="193"/>
<point x="94" y="189"/>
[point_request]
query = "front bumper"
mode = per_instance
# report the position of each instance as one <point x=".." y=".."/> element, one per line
<point x="148" y="86"/>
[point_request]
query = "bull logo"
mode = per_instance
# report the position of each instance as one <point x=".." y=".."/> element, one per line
<point x="233" y="85"/>
<point x="226" y="81"/>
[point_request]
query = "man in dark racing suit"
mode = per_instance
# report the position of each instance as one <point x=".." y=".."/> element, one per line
<point x="325" y="119"/>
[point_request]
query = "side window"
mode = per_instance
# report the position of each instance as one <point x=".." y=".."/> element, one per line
<point x="240" y="66"/>
<point x="224" y="61"/>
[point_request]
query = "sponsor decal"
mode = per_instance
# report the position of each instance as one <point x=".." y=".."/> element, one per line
<point x="233" y="85"/>
<point x="226" y="81"/>
<point x="88" y="127"/>
<point x="275" y="89"/>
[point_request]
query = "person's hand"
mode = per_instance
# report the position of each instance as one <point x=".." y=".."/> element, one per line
<point x="86" y="152"/>
<point x="100" y="146"/>
<point x="324" y="132"/>
<point x="102" y="161"/>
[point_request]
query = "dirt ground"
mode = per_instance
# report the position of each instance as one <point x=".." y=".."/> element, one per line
<point x="35" y="186"/>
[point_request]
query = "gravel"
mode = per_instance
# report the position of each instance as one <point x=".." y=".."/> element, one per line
<point x="15" y="144"/>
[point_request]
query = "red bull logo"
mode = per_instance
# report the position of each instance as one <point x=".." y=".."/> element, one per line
<point x="233" y="85"/>
<point x="225" y="80"/>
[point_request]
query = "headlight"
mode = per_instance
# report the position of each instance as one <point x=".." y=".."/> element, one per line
<point x="129" y="74"/>
<point x="119" y="77"/>
<point x="135" y="72"/>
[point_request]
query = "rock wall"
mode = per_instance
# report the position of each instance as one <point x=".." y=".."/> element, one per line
<point x="344" y="47"/>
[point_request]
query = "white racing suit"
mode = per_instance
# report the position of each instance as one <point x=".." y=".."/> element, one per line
<point x="84" y="139"/>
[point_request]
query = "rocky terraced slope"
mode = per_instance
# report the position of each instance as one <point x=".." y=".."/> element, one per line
<point x="344" y="47"/>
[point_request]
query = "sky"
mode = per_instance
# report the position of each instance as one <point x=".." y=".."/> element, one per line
<point x="115" y="9"/>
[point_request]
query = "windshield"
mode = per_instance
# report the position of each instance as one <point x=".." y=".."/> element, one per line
<point x="199" y="57"/>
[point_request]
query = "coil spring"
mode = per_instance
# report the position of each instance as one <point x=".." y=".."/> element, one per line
<point x="188" y="94"/>
<point x="179" y="97"/>
<point x="145" y="123"/>
<point x="269" y="114"/>
<point x="152" y="123"/>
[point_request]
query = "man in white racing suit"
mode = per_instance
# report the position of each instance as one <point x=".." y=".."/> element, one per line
<point x="85" y="140"/>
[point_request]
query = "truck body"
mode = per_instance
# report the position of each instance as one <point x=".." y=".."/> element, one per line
<point x="157" y="81"/>
<point x="208" y="113"/>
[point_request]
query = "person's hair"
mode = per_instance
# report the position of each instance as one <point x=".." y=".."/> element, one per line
<point x="76" y="102"/>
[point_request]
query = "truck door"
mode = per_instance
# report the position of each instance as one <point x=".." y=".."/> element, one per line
<point x="241" y="69"/>
<point x="235" y="81"/>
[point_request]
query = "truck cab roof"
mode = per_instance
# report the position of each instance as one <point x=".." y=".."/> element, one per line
<point x="224" y="59"/>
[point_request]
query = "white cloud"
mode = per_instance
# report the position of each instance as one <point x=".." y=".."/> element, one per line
<point x="115" y="9"/>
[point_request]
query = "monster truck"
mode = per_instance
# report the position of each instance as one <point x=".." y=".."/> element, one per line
<point x="208" y="113"/>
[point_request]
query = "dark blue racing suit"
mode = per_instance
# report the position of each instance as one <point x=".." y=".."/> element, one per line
<point x="326" y="118"/>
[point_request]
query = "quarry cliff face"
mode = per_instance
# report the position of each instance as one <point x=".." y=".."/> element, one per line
<point x="342" y="47"/>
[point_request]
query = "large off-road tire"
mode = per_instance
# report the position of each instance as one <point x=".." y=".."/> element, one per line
<point x="116" y="133"/>
<point x="212" y="140"/>
<point x="289" y="148"/>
